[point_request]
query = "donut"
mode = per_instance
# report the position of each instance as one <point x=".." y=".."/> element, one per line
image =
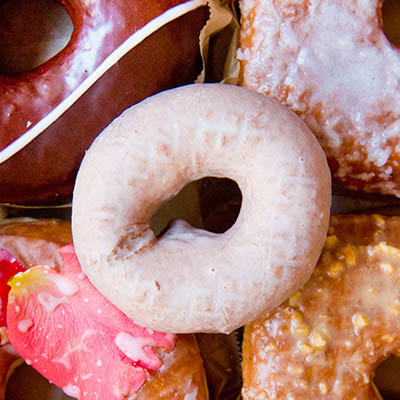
<point x="35" y="242"/>
<point x="332" y="64"/>
<point x="119" y="53"/>
<point x="188" y="279"/>
<point x="328" y="338"/>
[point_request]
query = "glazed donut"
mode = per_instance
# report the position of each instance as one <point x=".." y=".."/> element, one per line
<point x="328" y="338"/>
<point x="90" y="73"/>
<point x="191" y="280"/>
<point x="331" y="63"/>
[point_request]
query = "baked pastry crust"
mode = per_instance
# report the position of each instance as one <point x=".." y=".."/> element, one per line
<point x="328" y="338"/>
<point x="331" y="63"/>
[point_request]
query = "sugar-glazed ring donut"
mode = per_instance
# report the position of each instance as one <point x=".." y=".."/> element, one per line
<point x="326" y="341"/>
<point x="191" y="280"/>
<point x="331" y="63"/>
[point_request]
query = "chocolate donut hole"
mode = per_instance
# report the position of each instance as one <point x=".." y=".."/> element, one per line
<point x="210" y="203"/>
<point x="391" y="20"/>
<point x="31" y="32"/>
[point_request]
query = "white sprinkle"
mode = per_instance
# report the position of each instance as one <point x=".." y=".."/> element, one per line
<point x="24" y="325"/>
<point x="99" y="363"/>
<point x="71" y="390"/>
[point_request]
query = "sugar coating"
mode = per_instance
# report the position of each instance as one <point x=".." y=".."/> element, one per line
<point x="350" y="321"/>
<point x="191" y="280"/>
<point x="331" y="63"/>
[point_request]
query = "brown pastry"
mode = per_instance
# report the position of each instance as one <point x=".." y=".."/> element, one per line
<point x="327" y="340"/>
<point x="331" y="62"/>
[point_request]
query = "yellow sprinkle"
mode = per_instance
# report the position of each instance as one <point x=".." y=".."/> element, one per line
<point x="330" y="242"/>
<point x="387" y="268"/>
<point x="349" y="255"/>
<point x="297" y="317"/>
<point x="388" y="338"/>
<point x="302" y="330"/>
<point x="395" y="308"/>
<point x="335" y="269"/>
<point x="323" y="388"/>
<point x="318" y="340"/>
<point x="360" y="320"/>
<point x="295" y="369"/>
<point x="379" y="220"/>
<point x="305" y="348"/>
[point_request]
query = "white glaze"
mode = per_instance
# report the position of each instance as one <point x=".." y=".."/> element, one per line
<point x="25" y="325"/>
<point x="133" y="347"/>
<point x="49" y="302"/>
<point x="333" y="57"/>
<point x="65" y="285"/>
<point x="191" y="280"/>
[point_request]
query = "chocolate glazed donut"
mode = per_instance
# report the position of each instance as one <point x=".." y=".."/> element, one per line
<point x="44" y="171"/>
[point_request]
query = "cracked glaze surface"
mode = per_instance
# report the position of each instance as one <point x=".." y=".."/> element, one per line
<point x="331" y="63"/>
<point x="327" y="340"/>
<point x="191" y="280"/>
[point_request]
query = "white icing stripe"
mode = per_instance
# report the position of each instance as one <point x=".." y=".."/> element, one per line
<point x="151" y="27"/>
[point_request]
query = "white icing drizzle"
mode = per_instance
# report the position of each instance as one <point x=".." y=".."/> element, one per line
<point x="132" y="346"/>
<point x="65" y="285"/>
<point x="24" y="325"/>
<point x="71" y="390"/>
<point x="49" y="302"/>
<point x="330" y="56"/>
<point x="136" y="38"/>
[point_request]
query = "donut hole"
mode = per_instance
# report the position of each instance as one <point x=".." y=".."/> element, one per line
<point x="26" y="383"/>
<point x="387" y="378"/>
<point x="31" y="32"/>
<point x="210" y="203"/>
<point x="391" y="20"/>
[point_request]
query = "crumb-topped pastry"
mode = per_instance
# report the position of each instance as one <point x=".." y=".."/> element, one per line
<point x="328" y="338"/>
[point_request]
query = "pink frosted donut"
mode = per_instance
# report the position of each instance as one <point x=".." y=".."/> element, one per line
<point x="191" y="280"/>
<point x="331" y="63"/>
